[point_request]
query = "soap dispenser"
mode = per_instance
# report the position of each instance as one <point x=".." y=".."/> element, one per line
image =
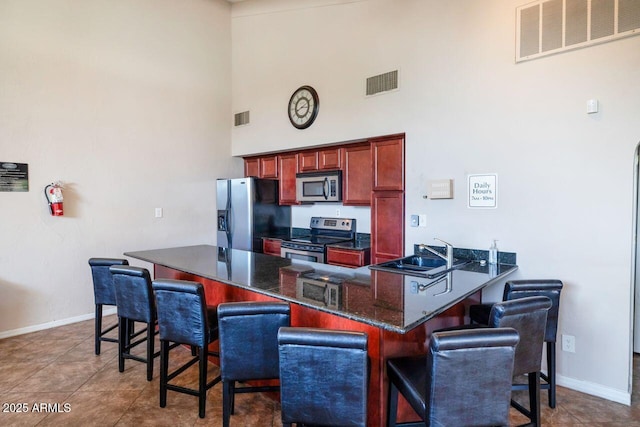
<point x="493" y="253"/>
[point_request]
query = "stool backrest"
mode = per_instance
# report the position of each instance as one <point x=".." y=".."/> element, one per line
<point x="134" y="296"/>
<point x="182" y="312"/>
<point x="324" y="376"/>
<point x="528" y="316"/>
<point x="248" y="336"/>
<point x="531" y="288"/>
<point x="469" y="375"/>
<point x="103" y="291"/>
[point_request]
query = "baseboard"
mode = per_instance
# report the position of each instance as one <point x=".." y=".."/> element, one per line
<point x="55" y="323"/>
<point x="594" y="389"/>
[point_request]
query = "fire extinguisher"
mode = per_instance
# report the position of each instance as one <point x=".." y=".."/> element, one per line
<point x="53" y="193"/>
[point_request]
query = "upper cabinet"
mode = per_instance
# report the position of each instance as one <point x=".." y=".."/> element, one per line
<point x="322" y="159"/>
<point x="388" y="163"/>
<point x="330" y="158"/>
<point x="261" y="167"/>
<point x="308" y="161"/>
<point x="252" y="166"/>
<point x="357" y="175"/>
<point x="269" y="167"/>
<point x="287" y="169"/>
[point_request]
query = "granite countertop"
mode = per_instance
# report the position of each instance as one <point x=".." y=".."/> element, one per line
<point x="358" y="244"/>
<point x="387" y="300"/>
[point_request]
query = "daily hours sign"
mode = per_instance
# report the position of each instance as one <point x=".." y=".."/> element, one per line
<point x="483" y="191"/>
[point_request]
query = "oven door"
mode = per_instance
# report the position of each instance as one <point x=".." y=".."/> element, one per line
<point x="291" y="253"/>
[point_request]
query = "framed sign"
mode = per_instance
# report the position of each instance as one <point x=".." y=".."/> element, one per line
<point x="14" y="177"/>
<point x="483" y="191"/>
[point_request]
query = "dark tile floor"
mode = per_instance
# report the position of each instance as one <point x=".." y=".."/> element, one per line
<point x="58" y="366"/>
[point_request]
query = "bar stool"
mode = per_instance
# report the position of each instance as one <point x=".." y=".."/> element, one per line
<point x="464" y="379"/>
<point x="249" y="347"/>
<point x="103" y="294"/>
<point x="324" y="377"/>
<point x="184" y="318"/>
<point x="135" y="302"/>
<point x="526" y="288"/>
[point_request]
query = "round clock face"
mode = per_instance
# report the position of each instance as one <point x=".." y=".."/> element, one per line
<point x="303" y="107"/>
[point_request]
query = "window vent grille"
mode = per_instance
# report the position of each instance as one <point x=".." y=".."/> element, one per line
<point x="546" y="27"/>
<point x="382" y="83"/>
<point x="241" y="118"/>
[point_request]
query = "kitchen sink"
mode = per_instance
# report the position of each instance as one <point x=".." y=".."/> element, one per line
<point x="417" y="265"/>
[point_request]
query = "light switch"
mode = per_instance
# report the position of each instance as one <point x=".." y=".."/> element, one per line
<point x="592" y="106"/>
<point x="422" y="220"/>
<point x="158" y="212"/>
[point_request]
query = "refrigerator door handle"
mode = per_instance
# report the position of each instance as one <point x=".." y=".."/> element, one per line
<point x="228" y="217"/>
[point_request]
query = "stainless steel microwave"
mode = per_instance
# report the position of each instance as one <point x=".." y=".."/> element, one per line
<point x="323" y="186"/>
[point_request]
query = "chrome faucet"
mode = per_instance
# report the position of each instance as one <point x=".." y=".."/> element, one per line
<point x="448" y="257"/>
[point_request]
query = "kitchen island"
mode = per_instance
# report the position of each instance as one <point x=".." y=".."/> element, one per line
<point x="398" y="312"/>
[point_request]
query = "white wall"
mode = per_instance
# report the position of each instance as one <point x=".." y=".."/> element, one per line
<point x="128" y="103"/>
<point x="565" y="177"/>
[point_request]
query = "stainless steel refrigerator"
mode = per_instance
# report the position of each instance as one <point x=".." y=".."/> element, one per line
<point x="248" y="210"/>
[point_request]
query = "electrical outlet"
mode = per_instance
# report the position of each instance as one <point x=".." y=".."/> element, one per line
<point x="569" y="343"/>
<point x="338" y="213"/>
<point x="158" y="212"/>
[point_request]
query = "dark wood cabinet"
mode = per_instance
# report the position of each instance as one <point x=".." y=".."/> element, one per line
<point x="287" y="169"/>
<point x="261" y="167"/>
<point x="308" y="161"/>
<point x="269" y="167"/>
<point x="373" y="174"/>
<point x="252" y="166"/>
<point x="329" y="158"/>
<point x="387" y="198"/>
<point x="348" y="257"/>
<point x="356" y="182"/>
<point x="387" y="225"/>
<point x="271" y="246"/>
<point x="388" y="163"/>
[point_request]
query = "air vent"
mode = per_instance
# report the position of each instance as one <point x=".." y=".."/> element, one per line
<point x="382" y="83"/>
<point x="545" y="27"/>
<point x="241" y="119"/>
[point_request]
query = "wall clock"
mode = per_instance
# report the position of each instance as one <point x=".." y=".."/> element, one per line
<point x="303" y="107"/>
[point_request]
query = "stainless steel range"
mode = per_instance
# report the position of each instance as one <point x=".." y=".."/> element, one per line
<point x="324" y="231"/>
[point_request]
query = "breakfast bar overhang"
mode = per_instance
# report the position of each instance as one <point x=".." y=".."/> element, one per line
<point x="398" y="312"/>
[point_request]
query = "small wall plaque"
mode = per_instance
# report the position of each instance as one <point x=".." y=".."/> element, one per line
<point x="483" y="191"/>
<point x="14" y="177"/>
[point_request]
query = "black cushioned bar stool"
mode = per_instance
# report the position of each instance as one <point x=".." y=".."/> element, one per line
<point x="135" y="302"/>
<point x="528" y="316"/>
<point x="103" y="294"/>
<point x="464" y="379"/>
<point x="249" y="347"/>
<point x="185" y="318"/>
<point x="324" y="376"/>
<point x="527" y="288"/>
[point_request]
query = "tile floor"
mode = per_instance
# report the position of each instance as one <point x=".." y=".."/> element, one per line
<point x="58" y="366"/>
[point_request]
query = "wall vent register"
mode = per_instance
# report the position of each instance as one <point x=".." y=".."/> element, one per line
<point x="240" y="119"/>
<point x="382" y="83"/>
<point x="546" y="27"/>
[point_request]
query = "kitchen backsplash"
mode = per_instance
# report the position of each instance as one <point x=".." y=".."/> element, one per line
<point x="301" y="215"/>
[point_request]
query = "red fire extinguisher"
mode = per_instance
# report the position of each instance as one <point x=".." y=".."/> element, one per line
<point x="53" y="192"/>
